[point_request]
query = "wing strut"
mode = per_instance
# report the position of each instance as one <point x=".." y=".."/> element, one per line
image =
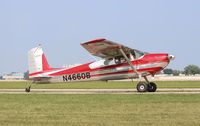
<point x="129" y="62"/>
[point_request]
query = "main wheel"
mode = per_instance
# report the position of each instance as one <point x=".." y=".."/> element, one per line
<point x="142" y="87"/>
<point x="152" y="87"/>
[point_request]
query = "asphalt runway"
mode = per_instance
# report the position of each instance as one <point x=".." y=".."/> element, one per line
<point x="101" y="91"/>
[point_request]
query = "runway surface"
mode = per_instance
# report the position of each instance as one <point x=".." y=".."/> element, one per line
<point x="101" y="91"/>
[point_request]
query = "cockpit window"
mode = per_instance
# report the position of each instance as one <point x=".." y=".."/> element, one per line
<point x="138" y="54"/>
<point x="133" y="55"/>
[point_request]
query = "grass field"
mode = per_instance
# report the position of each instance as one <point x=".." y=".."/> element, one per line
<point x="100" y="110"/>
<point x="99" y="84"/>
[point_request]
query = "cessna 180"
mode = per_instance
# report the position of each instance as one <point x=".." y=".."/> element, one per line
<point x="117" y="62"/>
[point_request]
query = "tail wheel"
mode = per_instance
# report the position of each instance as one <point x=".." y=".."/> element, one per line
<point x="142" y="87"/>
<point x="152" y="87"/>
<point x="28" y="89"/>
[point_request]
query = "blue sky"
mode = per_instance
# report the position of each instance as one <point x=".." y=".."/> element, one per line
<point x="171" y="26"/>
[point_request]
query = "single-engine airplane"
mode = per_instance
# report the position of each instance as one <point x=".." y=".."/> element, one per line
<point x="117" y="62"/>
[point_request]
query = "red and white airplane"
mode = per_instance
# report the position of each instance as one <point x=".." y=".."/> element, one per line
<point x="117" y="62"/>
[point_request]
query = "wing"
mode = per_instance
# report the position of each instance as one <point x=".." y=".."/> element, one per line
<point x="105" y="49"/>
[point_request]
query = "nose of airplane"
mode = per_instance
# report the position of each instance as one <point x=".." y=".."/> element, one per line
<point x="171" y="57"/>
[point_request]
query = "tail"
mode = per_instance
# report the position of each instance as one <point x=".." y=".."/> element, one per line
<point x="37" y="61"/>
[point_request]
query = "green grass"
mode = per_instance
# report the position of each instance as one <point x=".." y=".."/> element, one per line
<point x="99" y="84"/>
<point x="100" y="110"/>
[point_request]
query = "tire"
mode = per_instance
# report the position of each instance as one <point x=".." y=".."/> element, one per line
<point x="152" y="87"/>
<point x="142" y="87"/>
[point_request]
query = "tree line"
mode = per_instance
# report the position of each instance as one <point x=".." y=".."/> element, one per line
<point x="188" y="70"/>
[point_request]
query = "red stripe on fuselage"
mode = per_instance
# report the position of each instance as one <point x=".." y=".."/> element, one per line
<point x="150" y="70"/>
<point x="41" y="72"/>
<point x="78" y="69"/>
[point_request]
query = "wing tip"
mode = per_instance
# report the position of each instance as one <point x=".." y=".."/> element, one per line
<point x="94" y="41"/>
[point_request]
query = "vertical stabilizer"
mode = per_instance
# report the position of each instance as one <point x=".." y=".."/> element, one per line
<point x="37" y="60"/>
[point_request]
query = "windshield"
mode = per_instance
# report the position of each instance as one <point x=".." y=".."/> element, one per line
<point x="137" y="54"/>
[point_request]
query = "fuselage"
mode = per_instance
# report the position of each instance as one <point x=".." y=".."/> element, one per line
<point x="106" y="69"/>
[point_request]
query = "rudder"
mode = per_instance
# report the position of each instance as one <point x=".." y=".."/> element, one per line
<point x="37" y="60"/>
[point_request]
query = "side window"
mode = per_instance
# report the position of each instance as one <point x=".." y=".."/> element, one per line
<point x="108" y="62"/>
<point x="118" y="60"/>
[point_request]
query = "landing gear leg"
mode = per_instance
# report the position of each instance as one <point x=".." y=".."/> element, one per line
<point x="28" y="89"/>
<point x="146" y="86"/>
